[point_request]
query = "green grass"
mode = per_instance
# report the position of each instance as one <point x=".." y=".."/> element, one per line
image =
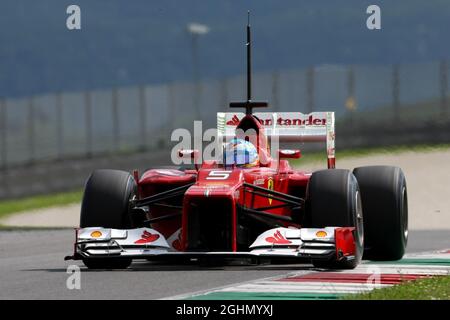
<point x="433" y="288"/>
<point x="8" y="207"/>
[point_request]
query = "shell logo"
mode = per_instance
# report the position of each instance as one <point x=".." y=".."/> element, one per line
<point x="321" y="234"/>
<point x="96" y="234"/>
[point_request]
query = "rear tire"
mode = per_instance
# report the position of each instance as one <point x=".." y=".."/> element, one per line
<point x="106" y="204"/>
<point x="385" y="206"/>
<point x="333" y="200"/>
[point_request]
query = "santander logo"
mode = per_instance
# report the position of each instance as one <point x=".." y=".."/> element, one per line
<point x="234" y="121"/>
<point x="284" y="122"/>
<point x="147" y="237"/>
<point x="278" y="239"/>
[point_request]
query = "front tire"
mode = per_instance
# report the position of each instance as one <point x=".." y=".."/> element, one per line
<point x="106" y="204"/>
<point x="106" y="200"/>
<point x="333" y="200"/>
<point x="385" y="205"/>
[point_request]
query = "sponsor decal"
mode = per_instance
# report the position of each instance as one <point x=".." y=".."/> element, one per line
<point x="270" y="187"/>
<point x="306" y="121"/>
<point x="96" y="234"/>
<point x="258" y="182"/>
<point x="234" y="121"/>
<point x="321" y="234"/>
<point x="278" y="239"/>
<point x="176" y="244"/>
<point x="309" y="121"/>
<point x="147" y="237"/>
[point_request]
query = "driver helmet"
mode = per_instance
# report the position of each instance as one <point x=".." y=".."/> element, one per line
<point x="241" y="152"/>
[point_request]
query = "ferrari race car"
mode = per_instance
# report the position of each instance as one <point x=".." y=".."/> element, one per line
<point x="262" y="210"/>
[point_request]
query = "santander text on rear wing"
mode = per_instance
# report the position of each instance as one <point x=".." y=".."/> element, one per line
<point x="287" y="126"/>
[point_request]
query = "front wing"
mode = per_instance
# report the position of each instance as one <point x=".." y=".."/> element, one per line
<point x="303" y="244"/>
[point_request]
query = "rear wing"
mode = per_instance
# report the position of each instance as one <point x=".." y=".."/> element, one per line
<point x="287" y="126"/>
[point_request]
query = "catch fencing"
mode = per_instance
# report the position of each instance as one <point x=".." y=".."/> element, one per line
<point x="405" y="103"/>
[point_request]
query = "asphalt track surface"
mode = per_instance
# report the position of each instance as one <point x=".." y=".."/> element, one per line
<point x="32" y="267"/>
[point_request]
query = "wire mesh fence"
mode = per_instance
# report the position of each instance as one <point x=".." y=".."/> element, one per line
<point x="126" y="120"/>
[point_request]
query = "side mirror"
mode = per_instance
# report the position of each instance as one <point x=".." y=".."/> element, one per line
<point x="289" y="154"/>
<point x="191" y="154"/>
<point x="188" y="153"/>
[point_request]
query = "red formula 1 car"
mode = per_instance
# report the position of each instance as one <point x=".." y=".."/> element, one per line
<point x="266" y="211"/>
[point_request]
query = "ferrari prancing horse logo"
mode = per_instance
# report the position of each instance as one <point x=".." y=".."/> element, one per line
<point x="270" y="187"/>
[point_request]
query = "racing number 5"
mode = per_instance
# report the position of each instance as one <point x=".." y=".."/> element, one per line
<point x="218" y="175"/>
